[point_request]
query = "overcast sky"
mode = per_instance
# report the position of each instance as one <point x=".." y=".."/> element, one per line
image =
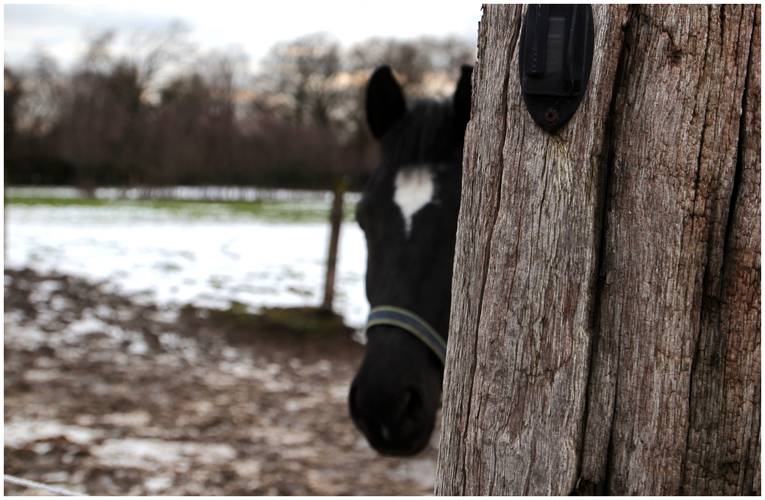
<point x="255" y="26"/>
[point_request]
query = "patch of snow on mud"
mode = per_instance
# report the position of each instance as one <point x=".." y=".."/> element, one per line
<point x="18" y="433"/>
<point x="142" y="453"/>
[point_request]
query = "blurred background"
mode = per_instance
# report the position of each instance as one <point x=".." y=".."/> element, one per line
<point x="265" y="94"/>
<point x="170" y="171"/>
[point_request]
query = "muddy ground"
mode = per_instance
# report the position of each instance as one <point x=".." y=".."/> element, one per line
<point x="109" y="395"/>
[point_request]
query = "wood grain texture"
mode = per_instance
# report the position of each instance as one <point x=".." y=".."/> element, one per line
<point x="675" y="153"/>
<point x="605" y="322"/>
<point x="725" y="387"/>
<point x="527" y="243"/>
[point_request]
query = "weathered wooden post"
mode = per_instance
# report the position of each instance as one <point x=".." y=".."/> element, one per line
<point x="336" y="220"/>
<point x="605" y="324"/>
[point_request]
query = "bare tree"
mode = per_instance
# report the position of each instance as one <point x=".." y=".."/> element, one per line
<point x="414" y="60"/>
<point x="40" y="105"/>
<point x="98" y="58"/>
<point x="12" y="94"/>
<point x="158" y="53"/>
<point x="224" y="73"/>
<point x="304" y="70"/>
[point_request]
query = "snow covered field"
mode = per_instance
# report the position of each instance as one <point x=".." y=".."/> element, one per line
<point x="202" y="253"/>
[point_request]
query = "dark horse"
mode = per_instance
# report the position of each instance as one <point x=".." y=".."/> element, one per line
<point x="408" y="213"/>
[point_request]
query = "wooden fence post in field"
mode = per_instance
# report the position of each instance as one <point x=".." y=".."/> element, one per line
<point x="336" y="220"/>
<point x="605" y="323"/>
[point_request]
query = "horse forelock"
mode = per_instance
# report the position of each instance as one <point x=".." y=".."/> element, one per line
<point x="425" y="134"/>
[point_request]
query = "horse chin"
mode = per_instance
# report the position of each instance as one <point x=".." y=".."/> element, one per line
<point x="397" y="444"/>
<point x="408" y="449"/>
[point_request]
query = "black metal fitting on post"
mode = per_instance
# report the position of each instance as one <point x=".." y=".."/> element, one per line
<point x="554" y="62"/>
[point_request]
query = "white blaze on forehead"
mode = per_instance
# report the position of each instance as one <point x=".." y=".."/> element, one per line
<point x="414" y="190"/>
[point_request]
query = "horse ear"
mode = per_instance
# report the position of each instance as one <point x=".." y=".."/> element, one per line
<point x="462" y="98"/>
<point x="385" y="101"/>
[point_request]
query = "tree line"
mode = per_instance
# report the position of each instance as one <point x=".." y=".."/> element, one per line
<point x="162" y="113"/>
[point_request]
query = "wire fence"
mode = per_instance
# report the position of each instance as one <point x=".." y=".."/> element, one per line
<point x="40" y="486"/>
<point x="185" y="193"/>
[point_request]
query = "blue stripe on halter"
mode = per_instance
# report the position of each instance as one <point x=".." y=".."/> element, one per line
<point x="396" y="316"/>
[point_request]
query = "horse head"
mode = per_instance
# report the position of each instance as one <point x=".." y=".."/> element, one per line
<point x="408" y="213"/>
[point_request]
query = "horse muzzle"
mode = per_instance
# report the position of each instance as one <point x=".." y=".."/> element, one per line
<point x="394" y="424"/>
<point x="395" y="395"/>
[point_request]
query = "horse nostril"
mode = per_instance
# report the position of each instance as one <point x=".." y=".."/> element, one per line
<point x="410" y="412"/>
<point x="411" y="404"/>
<point x="405" y="406"/>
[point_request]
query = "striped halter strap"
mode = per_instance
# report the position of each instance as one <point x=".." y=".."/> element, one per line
<point x="407" y="320"/>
